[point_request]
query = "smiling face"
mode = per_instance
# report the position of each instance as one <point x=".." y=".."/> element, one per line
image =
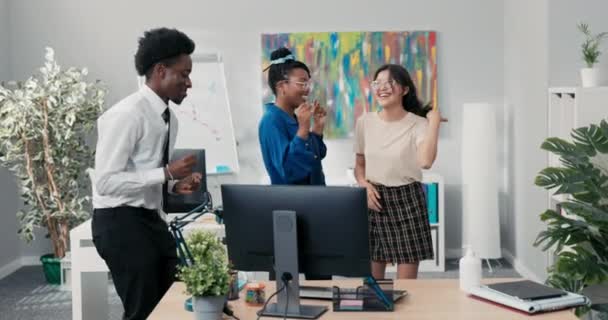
<point x="175" y="78"/>
<point x="295" y="89"/>
<point x="387" y="91"/>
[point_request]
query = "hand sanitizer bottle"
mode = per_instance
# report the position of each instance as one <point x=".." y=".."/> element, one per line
<point x="470" y="270"/>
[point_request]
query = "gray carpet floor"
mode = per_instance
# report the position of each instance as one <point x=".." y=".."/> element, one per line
<point x="24" y="295"/>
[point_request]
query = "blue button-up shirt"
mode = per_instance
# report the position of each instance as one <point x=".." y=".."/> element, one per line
<point x="288" y="158"/>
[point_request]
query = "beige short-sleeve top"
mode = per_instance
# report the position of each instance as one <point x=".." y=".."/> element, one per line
<point x="390" y="148"/>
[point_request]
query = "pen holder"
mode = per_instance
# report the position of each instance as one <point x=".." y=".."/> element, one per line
<point x="364" y="298"/>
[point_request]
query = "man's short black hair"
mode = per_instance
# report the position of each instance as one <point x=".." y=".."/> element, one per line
<point x="161" y="45"/>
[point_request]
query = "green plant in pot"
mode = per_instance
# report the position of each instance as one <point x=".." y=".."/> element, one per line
<point x="43" y="125"/>
<point x="207" y="279"/>
<point x="590" y="49"/>
<point x="579" y="234"/>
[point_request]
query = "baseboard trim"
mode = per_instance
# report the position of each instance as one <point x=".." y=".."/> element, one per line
<point x="518" y="265"/>
<point x="453" y="253"/>
<point x="31" y="261"/>
<point x="9" y="268"/>
<point x="521" y="267"/>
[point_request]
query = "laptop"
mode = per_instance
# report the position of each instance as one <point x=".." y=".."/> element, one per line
<point x="326" y="293"/>
<point x="527" y="290"/>
<point x="537" y="300"/>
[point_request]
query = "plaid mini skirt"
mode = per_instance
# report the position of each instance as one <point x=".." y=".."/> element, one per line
<point x="401" y="232"/>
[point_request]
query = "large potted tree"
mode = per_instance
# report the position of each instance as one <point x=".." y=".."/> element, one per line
<point x="577" y="231"/>
<point x="44" y="121"/>
<point x="207" y="277"/>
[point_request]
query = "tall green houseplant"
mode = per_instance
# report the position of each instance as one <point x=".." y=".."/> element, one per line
<point x="590" y="48"/>
<point x="580" y="236"/>
<point x="43" y="124"/>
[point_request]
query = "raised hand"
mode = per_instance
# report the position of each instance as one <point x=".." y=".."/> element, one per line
<point x="182" y="168"/>
<point x="188" y="184"/>
<point x="303" y="114"/>
<point x="319" y="118"/>
<point x="434" y="117"/>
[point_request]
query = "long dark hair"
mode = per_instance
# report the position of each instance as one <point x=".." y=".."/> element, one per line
<point x="410" y="101"/>
<point x="280" y="71"/>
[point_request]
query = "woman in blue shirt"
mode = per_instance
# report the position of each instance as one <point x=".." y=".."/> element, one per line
<point x="292" y="149"/>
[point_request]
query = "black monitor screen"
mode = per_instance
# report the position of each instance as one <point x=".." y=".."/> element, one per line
<point x="332" y="227"/>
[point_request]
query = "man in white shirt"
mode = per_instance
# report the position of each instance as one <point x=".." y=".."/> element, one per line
<point x="130" y="171"/>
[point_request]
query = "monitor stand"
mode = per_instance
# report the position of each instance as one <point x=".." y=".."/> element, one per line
<point x="286" y="265"/>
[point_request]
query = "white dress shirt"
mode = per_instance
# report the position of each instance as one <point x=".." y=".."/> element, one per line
<point x="130" y="146"/>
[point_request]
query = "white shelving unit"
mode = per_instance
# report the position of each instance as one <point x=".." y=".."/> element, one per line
<point x="437" y="229"/>
<point x="570" y="108"/>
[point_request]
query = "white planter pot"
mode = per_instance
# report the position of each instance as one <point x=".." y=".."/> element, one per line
<point x="208" y="308"/>
<point x="590" y="77"/>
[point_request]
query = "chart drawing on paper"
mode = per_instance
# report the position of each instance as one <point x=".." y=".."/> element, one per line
<point x="204" y="117"/>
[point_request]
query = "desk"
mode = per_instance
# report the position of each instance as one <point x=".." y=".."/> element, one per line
<point x="90" y="272"/>
<point x="427" y="299"/>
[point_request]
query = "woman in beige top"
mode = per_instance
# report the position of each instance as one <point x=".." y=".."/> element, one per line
<point x="392" y="146"/>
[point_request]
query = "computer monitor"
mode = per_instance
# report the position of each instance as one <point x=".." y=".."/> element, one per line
<point x="319" y="230"/>
<point x="177" y="203"/>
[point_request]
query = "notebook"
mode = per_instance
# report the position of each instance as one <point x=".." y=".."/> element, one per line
<point x="527" y="290"/>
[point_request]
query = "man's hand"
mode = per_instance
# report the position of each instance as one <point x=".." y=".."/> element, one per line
<point x="188" y="184"/>
<point x="181" y="168"/>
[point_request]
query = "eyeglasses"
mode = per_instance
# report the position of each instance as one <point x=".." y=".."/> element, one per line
<point x="302" y="84"/>
<point x="377" y="85"/>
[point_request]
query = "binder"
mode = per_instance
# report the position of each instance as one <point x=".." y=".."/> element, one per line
<point x="432" y="202"/>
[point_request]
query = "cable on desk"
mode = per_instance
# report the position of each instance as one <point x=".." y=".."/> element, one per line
<point x="285" y="282"/>
<point x="227" y="311"/>
<point x="267" y="300"/>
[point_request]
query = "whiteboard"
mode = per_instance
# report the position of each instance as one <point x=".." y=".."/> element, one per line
<point x="204" y="118"/>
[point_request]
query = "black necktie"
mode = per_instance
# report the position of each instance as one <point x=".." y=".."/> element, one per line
<point x="166" y="117"/>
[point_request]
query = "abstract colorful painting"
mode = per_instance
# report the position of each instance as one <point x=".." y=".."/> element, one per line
<point x="342" y="66"/>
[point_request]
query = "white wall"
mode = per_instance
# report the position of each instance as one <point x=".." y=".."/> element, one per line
<point x="13" y="251"/>
<point x="542" y="49"/>
<point x="10" y="251"/>
<point x="9" y="197"/>
<point x="9" y="247"/>
<point x="565" y="40"/>
<point x="526" y="80"/>
<point x="102" y="35"/>
<point x="4" y="35"/>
